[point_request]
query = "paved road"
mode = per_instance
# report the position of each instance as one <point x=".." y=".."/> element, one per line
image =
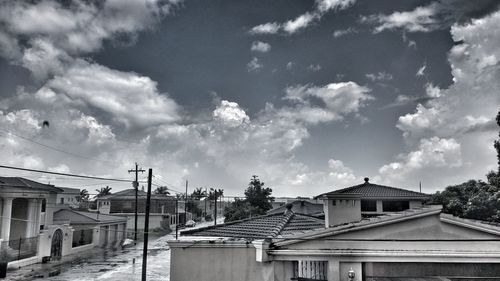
<point x="120" y="267"/>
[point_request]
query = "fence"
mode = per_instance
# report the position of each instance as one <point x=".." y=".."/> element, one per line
<point x="19" y="249"/>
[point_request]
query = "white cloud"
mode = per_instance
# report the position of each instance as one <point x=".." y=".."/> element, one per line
<point x="290" y="65"/>
<point x="258" y="46"/>
<point x="230" y="114"/>
<point x="304" y="20"/>
<point x="266" y="28"/>
<point x="340" y="99"/>
<point x="342" y="32"/>
<point x="421" y="19"/>
<point x="129" y="98"/>
<point x="380" y="76"/>
<point x="254" y="65"/>
<point x="431" y="154"/>
<point x="421" y="70"/>
<point x="456" y="122"/>
<point x="299" y="23"/>
<point x="314" y="67"/>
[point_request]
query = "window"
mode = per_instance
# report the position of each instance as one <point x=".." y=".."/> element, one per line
<point x="334" y="202"/>
<point x="395" y="206"/>
<point x="62" y="200"/>
<point x="310" y="270"/>
<point x="44" y="205"/>
<point x="368" y="205"/>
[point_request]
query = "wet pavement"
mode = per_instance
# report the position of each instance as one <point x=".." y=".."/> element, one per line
<point x="107" y="265"/>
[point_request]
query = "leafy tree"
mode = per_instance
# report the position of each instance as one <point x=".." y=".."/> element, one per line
<point x="258" y="195"/>
<point x="162" y="190"/>
<point x="103" y="191"/>
<point x="258" y="201"/>
<point x="474" y="199"/>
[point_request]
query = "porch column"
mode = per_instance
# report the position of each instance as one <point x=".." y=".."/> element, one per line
<point x="333" y="270"/>
<point x="31" y="218"/>
<point x="6" y="215"/>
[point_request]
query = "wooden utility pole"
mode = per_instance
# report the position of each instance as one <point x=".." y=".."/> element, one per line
<point x="185" y="204"/>
<point x="206" y="198"/>
<point x="215" y="208"/>
<point x="135" y="184"/>
<point x="176" y="218"/>
<point x="146" y="227"/>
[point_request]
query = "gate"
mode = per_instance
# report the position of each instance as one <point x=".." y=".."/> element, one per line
<point x="56" y="248"/>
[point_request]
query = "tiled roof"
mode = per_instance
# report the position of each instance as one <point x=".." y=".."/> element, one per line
<point x="78" y="217"/>
<point x="301" y="207"/>
<point x="267" y="226"/>
<point x="129" y="194"/>
<point x="369" y="190"/>
<point x="27" y="184"/>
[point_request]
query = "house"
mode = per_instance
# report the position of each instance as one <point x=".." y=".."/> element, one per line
<point x="282" y="201"/>
<point x="419" y="243"/>
<point x="92" y="229"/>
<point x="380" y="199"/>
<point x="301" y="207"/>
<point x="69" y="196"/>
<point x="122" y="203"/>
<point x="33" y="227"/>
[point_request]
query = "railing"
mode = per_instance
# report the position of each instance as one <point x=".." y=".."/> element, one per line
<point x="19" y="249"/>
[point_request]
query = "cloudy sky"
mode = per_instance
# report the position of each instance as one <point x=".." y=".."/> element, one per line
<point x="309" y="95"/>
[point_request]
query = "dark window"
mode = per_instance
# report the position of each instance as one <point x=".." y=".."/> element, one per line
<point x="334" y="202"/>
<point x="368" y="205"/>
<point x="44" y="205"/>
<point x="395" y="206"/>
<point x="62" y="200"/>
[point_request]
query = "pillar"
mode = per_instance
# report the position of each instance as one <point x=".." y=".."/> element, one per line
<point x="333" y="270"/>
<point x="31" y="218"/>
<point x="6" y="215"/>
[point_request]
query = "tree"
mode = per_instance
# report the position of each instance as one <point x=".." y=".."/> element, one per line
<point x="258" y="201"/>
<point x="84" y="195"/>
<point x="103" y="191"/>
<point x="259" y="196"/>
<point x="163" y="190"/>
<point x="198" y="193"/>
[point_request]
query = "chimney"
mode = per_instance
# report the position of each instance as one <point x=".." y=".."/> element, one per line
<point x="289" y="207"/>
<point x="341" y="208"/>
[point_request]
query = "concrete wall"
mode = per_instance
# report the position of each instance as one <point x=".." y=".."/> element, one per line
<point x="154" y="220"/>
<point x="228" y="261"/>
<point x="342" y="210"/>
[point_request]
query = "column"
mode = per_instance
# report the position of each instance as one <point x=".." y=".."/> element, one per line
<point x="333" y="270"/>
<point x="6" y="215"/>
<point x="31" y="218"/>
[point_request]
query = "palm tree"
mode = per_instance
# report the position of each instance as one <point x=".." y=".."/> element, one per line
<point x="198" y="193"/>
<point x="84" y="195"/>
<point x="163" y="190"/>
<point x="103" y="191"/>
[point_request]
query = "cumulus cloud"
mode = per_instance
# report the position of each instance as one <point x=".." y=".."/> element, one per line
<point x="431" y="154"/>
<point x="258" y="46"/>
<point x="304" y="20"/>
<point x="340" y="99"/>
<point x="230" y="114"/>
<point x="458" y="118"/>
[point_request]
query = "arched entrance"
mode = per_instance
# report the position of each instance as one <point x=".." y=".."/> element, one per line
<point x="56" y="248"/>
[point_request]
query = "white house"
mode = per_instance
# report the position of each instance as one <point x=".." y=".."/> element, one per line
<point x="419" y="243"/>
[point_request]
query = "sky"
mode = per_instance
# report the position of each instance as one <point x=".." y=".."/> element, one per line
<point x="310" y="95"/>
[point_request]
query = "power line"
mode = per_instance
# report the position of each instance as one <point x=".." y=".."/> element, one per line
<point x="55" y="148"/>
<point x="63" y="174"/>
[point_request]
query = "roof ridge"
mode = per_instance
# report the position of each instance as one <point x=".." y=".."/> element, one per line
<point x="280" y="226"/>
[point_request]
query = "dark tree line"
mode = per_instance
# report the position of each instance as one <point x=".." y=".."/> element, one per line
<point x="474" y="199"/>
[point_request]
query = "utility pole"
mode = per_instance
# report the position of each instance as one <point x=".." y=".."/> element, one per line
<point x="146" y="227"/>
<point x="206" y="198"/>
<point x="186" y="204"/>
<point x="420" y="185"/>
<point x="176" y="218"/>
<point x="215" y="209"/>
<point x="135" y="184"/>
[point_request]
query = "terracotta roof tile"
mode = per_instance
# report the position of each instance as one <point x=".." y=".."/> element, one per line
<point x="267" y="226"/>
<point x="370" y="190"/>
